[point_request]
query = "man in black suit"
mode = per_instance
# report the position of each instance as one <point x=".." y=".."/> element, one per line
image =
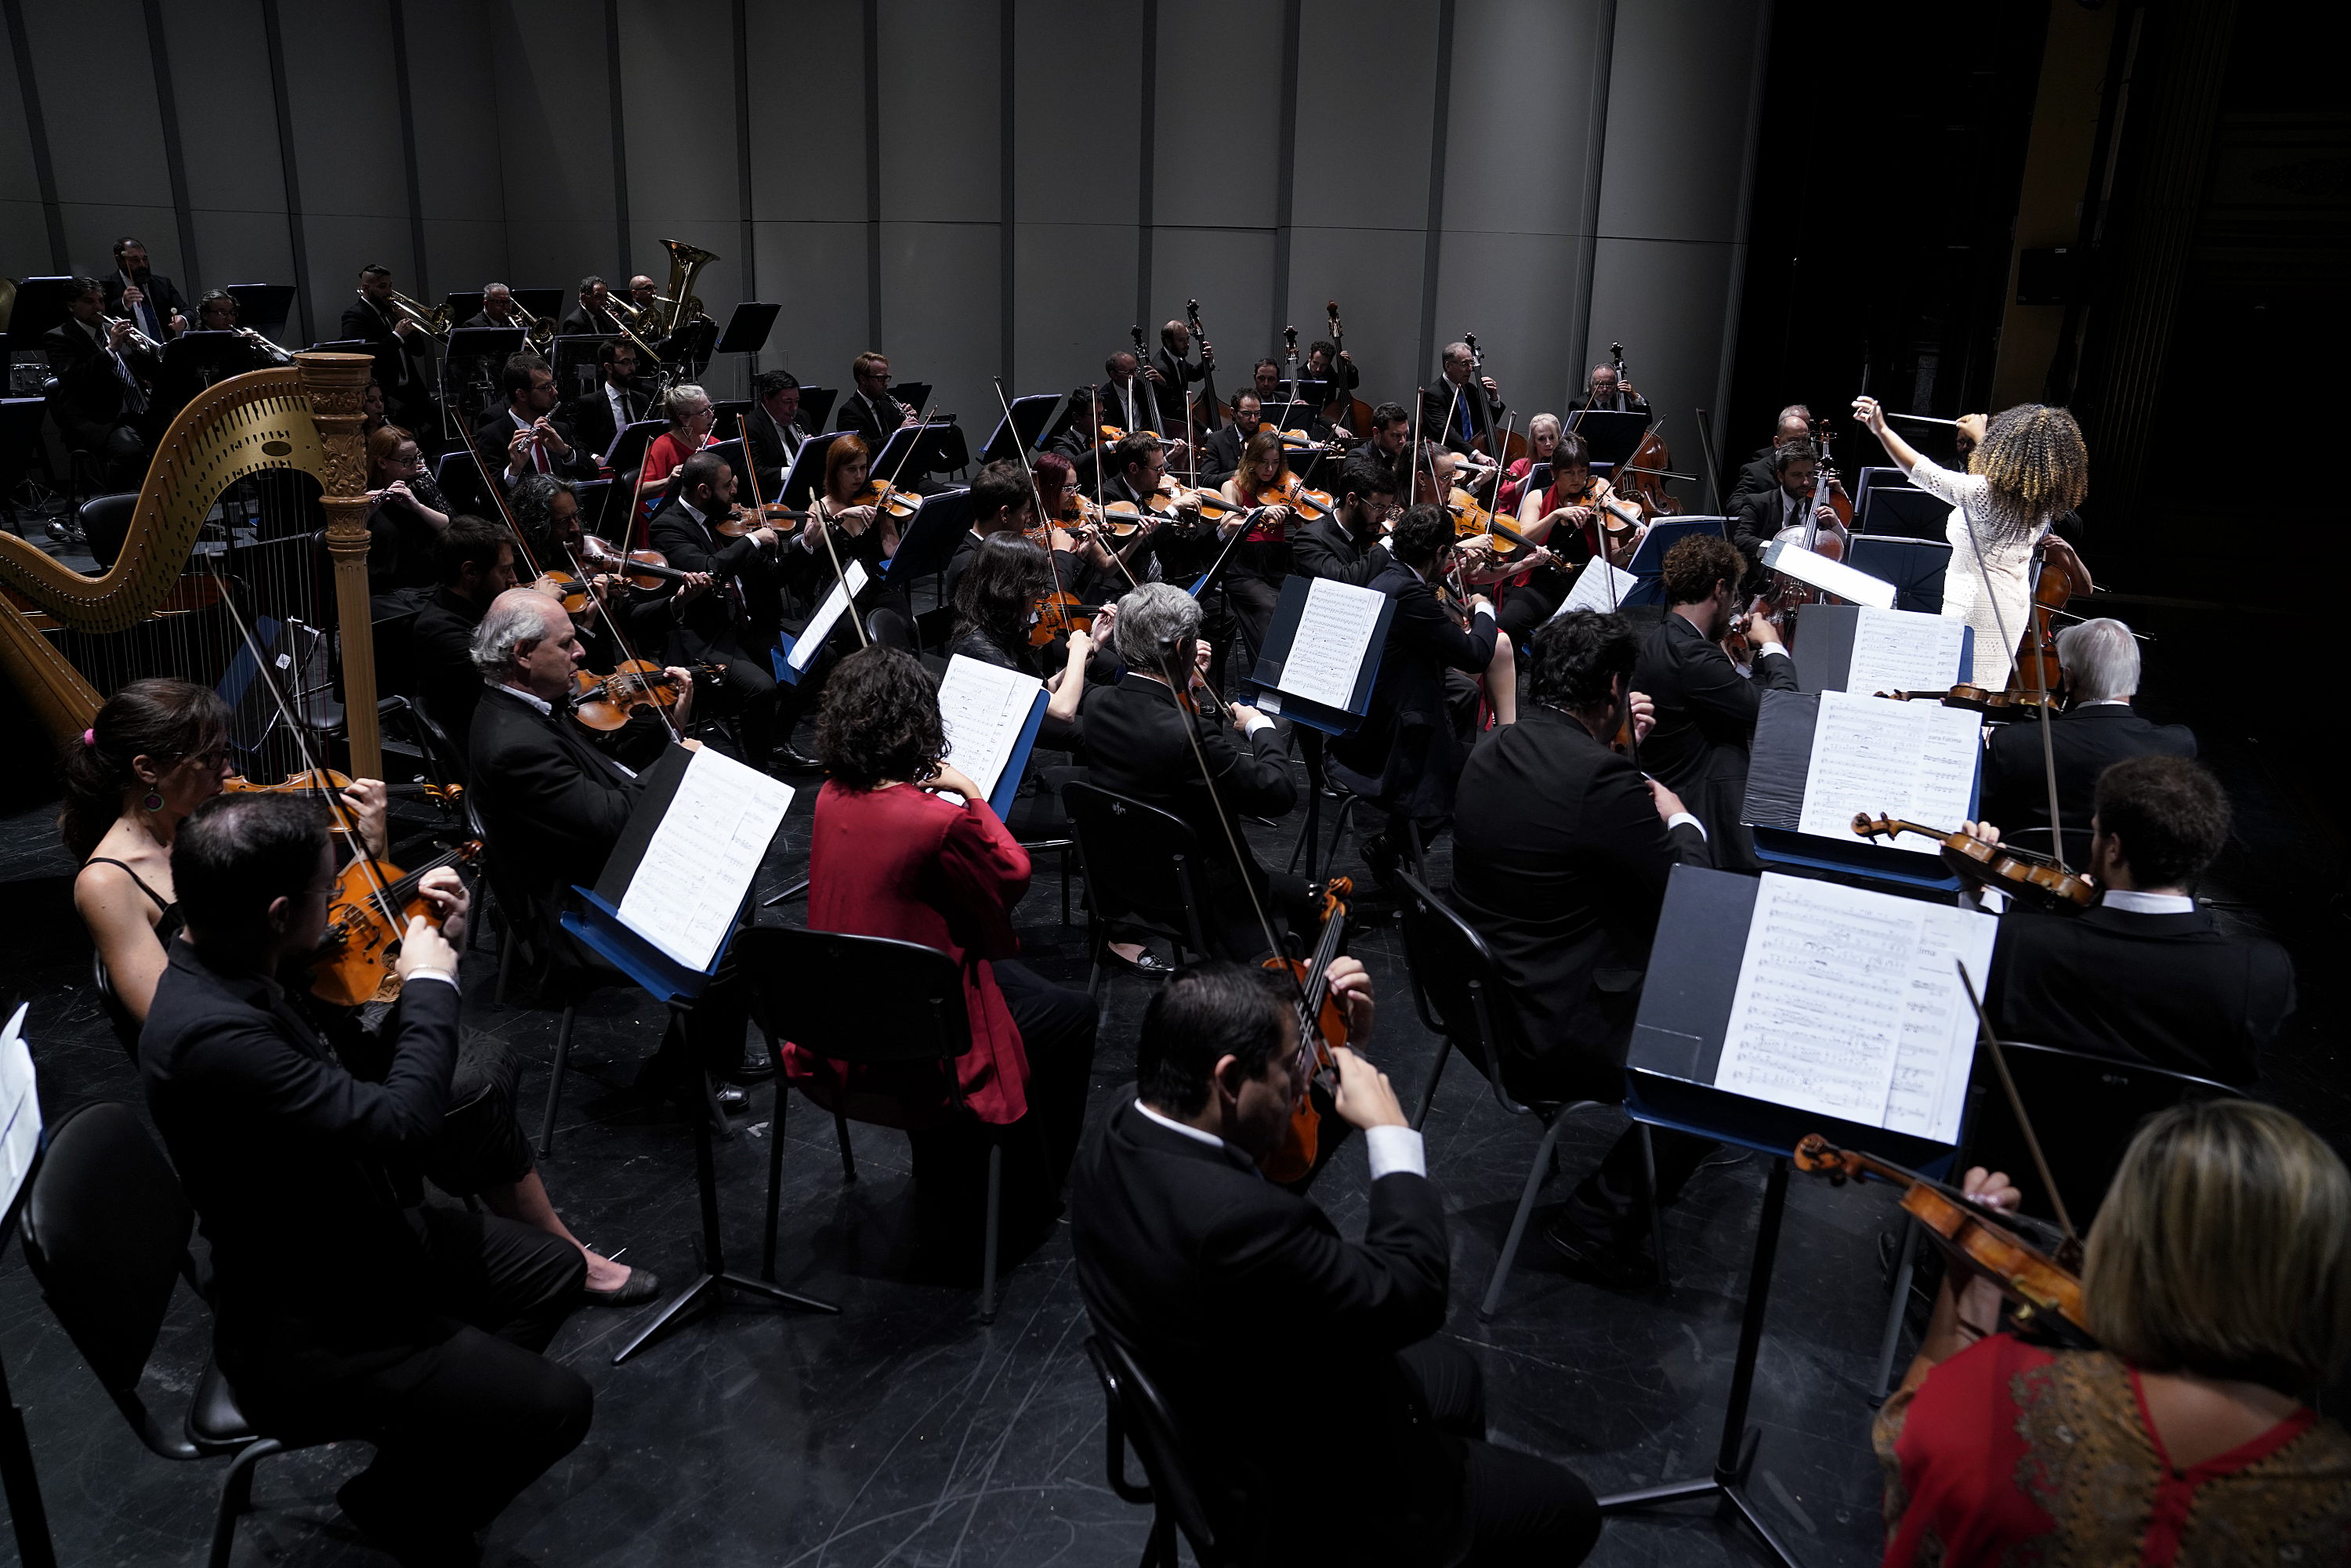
<point x="2097" y="728"/>
<point x="612" y="407"/>
<point x="1347" y="546"/>
<point x="337" y="1311"/>
<point x="1135" y="747"/>
<point x="1391" y="432"/>
<point x="2144" y="973"/>
<point x="400" y="347"/>
<point x="498" y="310"/>
<point x="775" y="428"/>
<point x="591" y="314"/>
<point x="870" y="413"/>
<point x="1408" y="751"/>
<point x="1187" y="1257"/>
<point x="1705" y="708"/>
<point x="477" y="564"/>
<point x="1449" y="406"/>
<point x="1755" y="475"/>
<point x="1124" y="396"/>
<point x="1171" y="374"/>
<point x="1220" y="452"/>
<point x="153" y="304"/>
<point x="734" y="622"/>
<point x="1568" y="900"/>
<point x="103" y="392"/>
<point x="534" y="439"/>
<point x="1602" y="390"/>
<point x="1763" y="514"/>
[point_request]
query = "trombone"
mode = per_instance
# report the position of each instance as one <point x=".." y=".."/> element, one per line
<point x="431" y="319"/>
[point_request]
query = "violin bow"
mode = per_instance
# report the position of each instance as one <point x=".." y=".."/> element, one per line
<point x="2016" y="1103"/>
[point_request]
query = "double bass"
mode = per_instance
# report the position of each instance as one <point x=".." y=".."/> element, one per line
<point x="1344" y="407"/>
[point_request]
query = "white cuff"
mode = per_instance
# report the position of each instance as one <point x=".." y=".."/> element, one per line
<point x="443" y="976"/>
<point x="1260" y="722"/>
<point x="1679" y="818"/>
<point x="1773" y="648"/>
<point x="1395" y="1149"/>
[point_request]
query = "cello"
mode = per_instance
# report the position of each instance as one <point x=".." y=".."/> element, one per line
<point x="1514" y="446"/>
<point x="1344" y="407"/>
<point x="1213" y="413"/>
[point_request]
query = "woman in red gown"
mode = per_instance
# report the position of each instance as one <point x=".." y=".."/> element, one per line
<point x="893" y="855"/>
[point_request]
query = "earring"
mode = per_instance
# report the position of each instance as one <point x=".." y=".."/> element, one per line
<point x="154" y="802"/>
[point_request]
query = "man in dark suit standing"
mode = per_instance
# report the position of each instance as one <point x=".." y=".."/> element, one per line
<point x="1450" y="407"/>
<point x="2144" y="973"/>
<point x="1568" y="898"/>
<point x="1705" y="708"/>
<point x="1347" y="546"/>
<point x="400" y="347"/>
<point x="102" y="396"/>
<point x="151" y="303"/>
<point x="477" y="563"/>
<point x="1186" y="1256"/>
<point x="2097" y="728"/>
<point x="612" y="407"/>
<point x="337" y="1311"/>
<point x="734" y="622"/>
<point x="870" y="413"/>
<point x="1171" y="375"/>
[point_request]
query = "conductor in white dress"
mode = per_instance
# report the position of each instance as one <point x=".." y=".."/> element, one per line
<point x="2027" y="467"/>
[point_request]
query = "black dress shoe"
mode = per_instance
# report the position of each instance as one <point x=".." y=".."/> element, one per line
<point x="411" y="1545"/>
<point x="1147" y="964"/>
<point x="1597" y="1261"/>
<point x="643" y="1285"/>
<point x="792" y="759"/>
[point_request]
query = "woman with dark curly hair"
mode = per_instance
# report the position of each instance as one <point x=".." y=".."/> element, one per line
<point x="2028" y="468"/>
<point x="996" y="605"/>
<point x="892" y="855"/>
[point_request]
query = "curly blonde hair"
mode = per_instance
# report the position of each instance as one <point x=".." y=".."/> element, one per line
<point x="2034" y="458"/>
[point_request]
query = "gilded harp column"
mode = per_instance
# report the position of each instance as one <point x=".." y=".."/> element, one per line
<point x="334" y="384"/>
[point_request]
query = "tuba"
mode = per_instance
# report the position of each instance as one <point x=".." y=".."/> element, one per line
<point x="68" y="639"/>
<point x="679" y="306"/>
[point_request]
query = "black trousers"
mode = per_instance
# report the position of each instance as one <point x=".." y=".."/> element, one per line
<point x="1253" y="587"/>
<point x="462" y="1424"/>
<point x="1521" y="1508"/>
<point x="479" y="1143"/>
<point x="1605" y="1205"/>
<point x="1231" y="923"/>
<point x="1528" y="605"/>
<point x="746" y="694"/>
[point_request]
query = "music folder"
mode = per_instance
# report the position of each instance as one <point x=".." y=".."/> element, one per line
<point x="747" y="328"/>
<point x="1029" y="417"/>
<point x="1648" y="562"/>
<point x="805" y="476"/>
<point x="1819" y="760"/>
<point x="929" y="539"/>
<point x="1321" y="654"/>
<point x="1609" y="434"/>
<point x="991" y="716"/>
<point x="1854" y="648"/>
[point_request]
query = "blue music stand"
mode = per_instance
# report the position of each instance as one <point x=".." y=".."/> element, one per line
<point x="599" y="927"/>
<point x="1648" y="562"/>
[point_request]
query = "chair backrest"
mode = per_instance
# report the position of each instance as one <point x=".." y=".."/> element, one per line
<point x="1138" y="1414"/>
<point x="2085" y="1110"/>
<point x="1143" y="864"/>
<point x="106" y="1233"/>
<point x="1455" y="983"/>
<point x="856" y="999"/>
<point x="891" y="630"/>
<point x="105" y="522"/>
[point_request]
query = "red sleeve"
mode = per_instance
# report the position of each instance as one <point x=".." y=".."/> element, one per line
<point x="985" y="871"/>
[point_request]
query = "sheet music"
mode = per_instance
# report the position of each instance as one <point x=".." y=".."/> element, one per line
<point x="20" y="1109"/>
<point x="1938" y="1025"/>
<point x="1817" y="1020"/>
<point x="1334" y="631"/>
<point x="1903" y="651"/>
<point x="1916" y="760"/>
<point x="1830" y="575"/>
<point x="819" y="626"/>
<point x="1599" y="586"/>
<point x="984" y="707"/>
<point x="699" y="865"/>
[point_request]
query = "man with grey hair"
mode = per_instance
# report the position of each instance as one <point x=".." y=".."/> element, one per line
<point x="1449" y="405"/>
<point x="2097" y="728"/>
<point x="1142" y="742"/>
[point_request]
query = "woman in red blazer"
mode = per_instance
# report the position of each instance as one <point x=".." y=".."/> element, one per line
<point x="893" y="857"/>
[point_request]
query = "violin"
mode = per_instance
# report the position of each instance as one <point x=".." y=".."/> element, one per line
<point x="1344" y="407"/>
<point x="1975" y="699"/>
<point x="886" y="499"/>
<point x="751" y="519"/>
<point x="2036" y="879"/>
<point x="367" y="917"/>
<point x="321" y="783"/>
<point x="1321" y="1028"/>
<point x="639" y="567"/>
<point x="1308" y="506"/>
<point x="1060" y="612"/>
<point x="605" y="702"/>
<point x="2044" y="1289"/>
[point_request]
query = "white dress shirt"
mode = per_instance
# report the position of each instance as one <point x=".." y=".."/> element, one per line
<point x="1392" y="1149"/>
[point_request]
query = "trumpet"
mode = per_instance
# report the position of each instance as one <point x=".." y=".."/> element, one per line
<point x="138" y="339"/>
<point x="432" y="319"/>
<point x="270" y="352"/>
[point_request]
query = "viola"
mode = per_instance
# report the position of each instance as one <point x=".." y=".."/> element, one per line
<point x="1975" y="699"/>
<point x="2044" y="1289"/>
<point x="1321" y="1028"/>
<point x="605" y="702"/>
<point x="2035" y="878"/>
<point x="367" y="917"/>
<point x="565" y="590"/>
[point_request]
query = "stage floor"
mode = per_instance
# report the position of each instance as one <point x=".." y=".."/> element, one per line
<point x="904" y="1432"/>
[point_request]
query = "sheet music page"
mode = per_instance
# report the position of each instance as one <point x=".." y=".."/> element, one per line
<point x="819" y="626"/>
<point x="1599" y="586"/>
<point x="1333" y="633"/>
<point x="1830" y="575"/>
<point x="20" y="1108"/>
<point x="699" y="865"/>
<point x="1939" y="1026"/>
<point x="1903" y="651"/>
<point x="1816" y="1022"/>
<point x="984" y="707"/>
<point x="1916" y="760"/>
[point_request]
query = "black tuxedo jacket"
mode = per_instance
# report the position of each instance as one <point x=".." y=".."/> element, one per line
<point x="88" y="390"/>
<point x="738" y="609"/>
<point x="1407" y="743"/>
<point x="1438" y="414"/>
<point x="2169" y="989"/>
<point x="2086" y="741"/>
<point x="362" y="322"/>
<point x="1757" y="522"/>
<point x="1325" y="548"/>
<point x="1185" y="1254"/>
<point x="1566" y="897"/>
<point x="162" y="298"/>
<point x="591" y="416"/>
<point x="772" y="450"/>
<point x="1220" y="454"/>
<point x="284" y="1153"/>
<point x="579" y="322"/>
<point x="497" y="428"/>
<point x="440" y="647"/>
<point x="1173" y="392"/>
<point x="861" y="419"/>
<point x="1115" y="410"/>
<point x="1706" y="725"/>
<point x="1755" y="476"/>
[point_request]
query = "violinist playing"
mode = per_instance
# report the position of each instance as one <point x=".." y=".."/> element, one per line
<point x="1084" y="559"/>
<point x="1543" y="443"/>
<point x="730" y="616"/>
<point x="1579" y="503"/>
<point x="2217" y="1286"/>
<point x="2026" y="469"/>
<point x="995" y="620"/>
<point x="1253" y="575"/>
<point x="999" y="502"/>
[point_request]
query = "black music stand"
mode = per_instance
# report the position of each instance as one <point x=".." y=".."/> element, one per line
<point x="1914" y="568"/>
<point x="1778" y="775"/>
<point x="464" y="306"/>
<point x="195" y="360"/>
<point x="1648" y="562"/>
<point x="1609" y="434"/>
<point x="577" y="360"/>
<point x="915" y="395"/>
<point x="264" y="307"/>
<point x="748" y="328"/>
<point x="546" y="302"/>
<point x="934" y="448"/>
<point x="806" y="473"/>
<point x="1901" y="511"/>
<point x="40" y="305"/>
<point x="815" y="404"/>
<point x="486" y="343"/>
<point x="929" y="539"/>
<point x="1023" y="431"/>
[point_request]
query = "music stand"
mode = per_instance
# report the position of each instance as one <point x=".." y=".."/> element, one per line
<point x="816" y="405"/>
<point x="464" y="306"/>
<point x="577" y="359"/>
<point x="1899" y="511"/>
<point x="628" y="452"/>
<point x="40" y="305"/>
<point x="929" y="539"/>
<point x="1648" y="562"/>
<point x="915" y="395"/>
<point x="747" y="328"/>
<point x="807" y="471"/>
<point x="484" y="342"/>
<point x="1023" y="431"/>
<point x="546" y="302"/>
<point x="1609" y="434"/>
<point x="1914" y="568"/>
<point x="921" y="449"/>
<point x="264" y="307"/>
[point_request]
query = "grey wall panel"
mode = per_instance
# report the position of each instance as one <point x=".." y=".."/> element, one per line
<point x="807" y="100"/>
<point x="1516" y="149"/>
<point x="682" y="175"/>
<point x="939" y="292"/>
<point x="228" y="143"/>
<point x="1366" y="88"/>
<point x="1515" y="291"/>
<point x="453" y="90"/>
<point x="106" y="147"/>
<point x="1666" y="300"/>
<point x="1075" y="146"/>
<point x="1075" y="298"/>
<point x="23" y="239"/>
<point x="1219" y="116"/>
<point x="466" y="253"/>
<point x="939" y="118"/>
<point x="247" y="248"/>
<point x="554" y="140"/>
<point x="816" y="271"/>
<point x="19" y="182"/>
<point x="1374" y="275"/>
<point x="1230" y="270"/>
<point x="1677" y="175"/>
<point x="347" y="151"/>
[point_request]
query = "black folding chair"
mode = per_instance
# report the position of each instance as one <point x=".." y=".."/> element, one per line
<point x="1461" y="996"/>
<point x="1136" y="1413"/>
<point x="105" y="522"/>
<point x="106" y="1233"/>
<point x="864" y="1001"/>
<point x="1143" y="867"/>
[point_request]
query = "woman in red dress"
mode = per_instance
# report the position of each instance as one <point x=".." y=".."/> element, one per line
<point x="892" y="856"/>
<point x="690" y="416"/>
<point x="2219" y="1283"/>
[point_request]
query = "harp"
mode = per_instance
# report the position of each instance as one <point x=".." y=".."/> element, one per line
<point x="266" y="426"/>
